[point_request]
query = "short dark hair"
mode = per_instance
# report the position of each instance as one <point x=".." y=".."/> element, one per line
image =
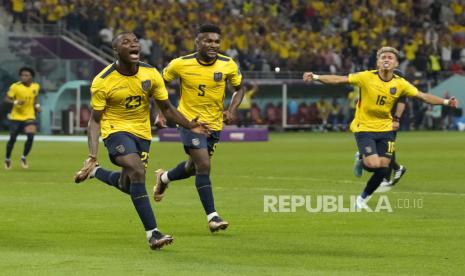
<point x="209" y="28"/>
<point x="27" y="69"/>
<point x="117" y="36"/>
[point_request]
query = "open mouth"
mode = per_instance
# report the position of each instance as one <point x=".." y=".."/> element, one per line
<point x="212" y="52"/>
<point x="134" y="54"/>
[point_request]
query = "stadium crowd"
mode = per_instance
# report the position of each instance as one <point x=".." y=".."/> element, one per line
<point x="297" y="35"/>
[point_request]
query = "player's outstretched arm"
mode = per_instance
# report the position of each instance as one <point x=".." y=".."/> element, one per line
<point x="238" y="95"/>
<point x="435" y="100"/>
<point x="171" y="113"/>
<point x="326" y="79"/>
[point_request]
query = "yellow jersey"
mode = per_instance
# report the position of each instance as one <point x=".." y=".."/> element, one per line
<point x="376" y="100"/>
<point x="203" y="86"/>
<point x="28" y="94"/>
<point x="125" y="100"/>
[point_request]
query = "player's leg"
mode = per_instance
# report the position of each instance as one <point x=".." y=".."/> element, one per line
<point x="372" y="162"/>
<point x="201" y="157"/>
<point x="135" y="169"/>
<point x="15" y="129"/>
<point x="183" y="170"/>
<point x="30" y="130"/>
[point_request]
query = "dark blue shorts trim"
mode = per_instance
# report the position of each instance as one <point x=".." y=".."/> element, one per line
<point x="192" y="140"/>
<point x="123" y="143"/>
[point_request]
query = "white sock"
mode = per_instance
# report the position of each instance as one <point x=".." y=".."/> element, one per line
<point x="212" y="215"/>
<point x="92" y="174"/>
<point x="164" y="178"/>
<point x="149" y="233"/>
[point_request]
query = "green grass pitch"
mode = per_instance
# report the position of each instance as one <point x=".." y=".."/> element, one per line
<point x="51" y="226"/>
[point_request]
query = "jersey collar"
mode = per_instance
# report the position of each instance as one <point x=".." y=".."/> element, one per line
<point x="203" y="63"/>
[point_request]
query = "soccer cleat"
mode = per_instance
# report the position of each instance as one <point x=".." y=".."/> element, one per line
<point x="358" y="167"/>
<point x="86" y="171"/>
<point x="216" y="223"/>
<point x="24" y="164"/>
<point x="398" y="174"/>
<point x="385" y="186"/>
<point x="158" y="240"/>
<point x="361" y="203"/>
<point x="160" y="187"/>
<point x="7" y="164"/>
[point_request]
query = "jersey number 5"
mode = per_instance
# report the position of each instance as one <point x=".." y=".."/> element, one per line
<point x="202" y="90"/>
<point x="133" y="102"/>
<point x="381" y="100"/>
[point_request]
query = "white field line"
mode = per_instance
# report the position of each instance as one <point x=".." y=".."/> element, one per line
<point x="55" y="138"/>
<point x="312" y="179"/>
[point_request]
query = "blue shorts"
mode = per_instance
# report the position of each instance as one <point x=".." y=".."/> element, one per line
<point x="192" y="140"/>
<point x="381" y="143"/>
<point x="17" y="127"/>
<point x="123" y="143"/>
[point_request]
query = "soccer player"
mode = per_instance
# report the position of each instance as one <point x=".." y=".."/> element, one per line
<point x="373" y="122"/>
<point x="23" y="95"/>
<point x="203" y="77"/>
<point x="120" y="102"/>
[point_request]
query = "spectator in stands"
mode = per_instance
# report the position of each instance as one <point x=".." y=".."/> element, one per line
<point x="17" y="8"/>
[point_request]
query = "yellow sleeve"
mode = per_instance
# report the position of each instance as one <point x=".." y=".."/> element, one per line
<point x="159" y="91"/>
<point x="356" y="78"/>
<point x="235" y="77"/>
<point x="98" y="98"/>
<point x="12" y="91"/>
<point x="409" y="90"/>
<point x="171" y="71"/>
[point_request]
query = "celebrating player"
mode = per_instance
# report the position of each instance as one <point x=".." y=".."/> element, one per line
<point x="203" y="77"/>
<point x="373" y="122"/>
<point x="121" y="115"/>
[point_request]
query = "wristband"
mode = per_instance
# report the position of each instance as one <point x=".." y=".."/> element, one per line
<point x="316" y="77"/>
<point x="92" y="156"/>
<point x="446" y="102"/>
<point x="396" y="118"/>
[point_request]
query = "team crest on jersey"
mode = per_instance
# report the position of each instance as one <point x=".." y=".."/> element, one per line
<point x="120" y="149"/>
<point x="217" y="76"/>
<point x="393" y="90"/>
<point x="196" y="142"/>
<point x="146" y="85"/>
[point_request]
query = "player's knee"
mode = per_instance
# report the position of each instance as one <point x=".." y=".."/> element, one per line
<point x="137" y="173"/>
<point x="202" y="167"/>
<point x="372" y="164"/>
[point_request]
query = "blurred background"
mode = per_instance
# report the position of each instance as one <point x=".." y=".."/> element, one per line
<point x="68" y="42"/>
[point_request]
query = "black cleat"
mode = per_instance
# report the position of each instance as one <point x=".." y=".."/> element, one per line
<point x="398" y="174"/>
<point x="158" y="240"/>
<point x="7" y="164"/>
<point x="216" y="223"/>
<point x="24" y="164"/>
